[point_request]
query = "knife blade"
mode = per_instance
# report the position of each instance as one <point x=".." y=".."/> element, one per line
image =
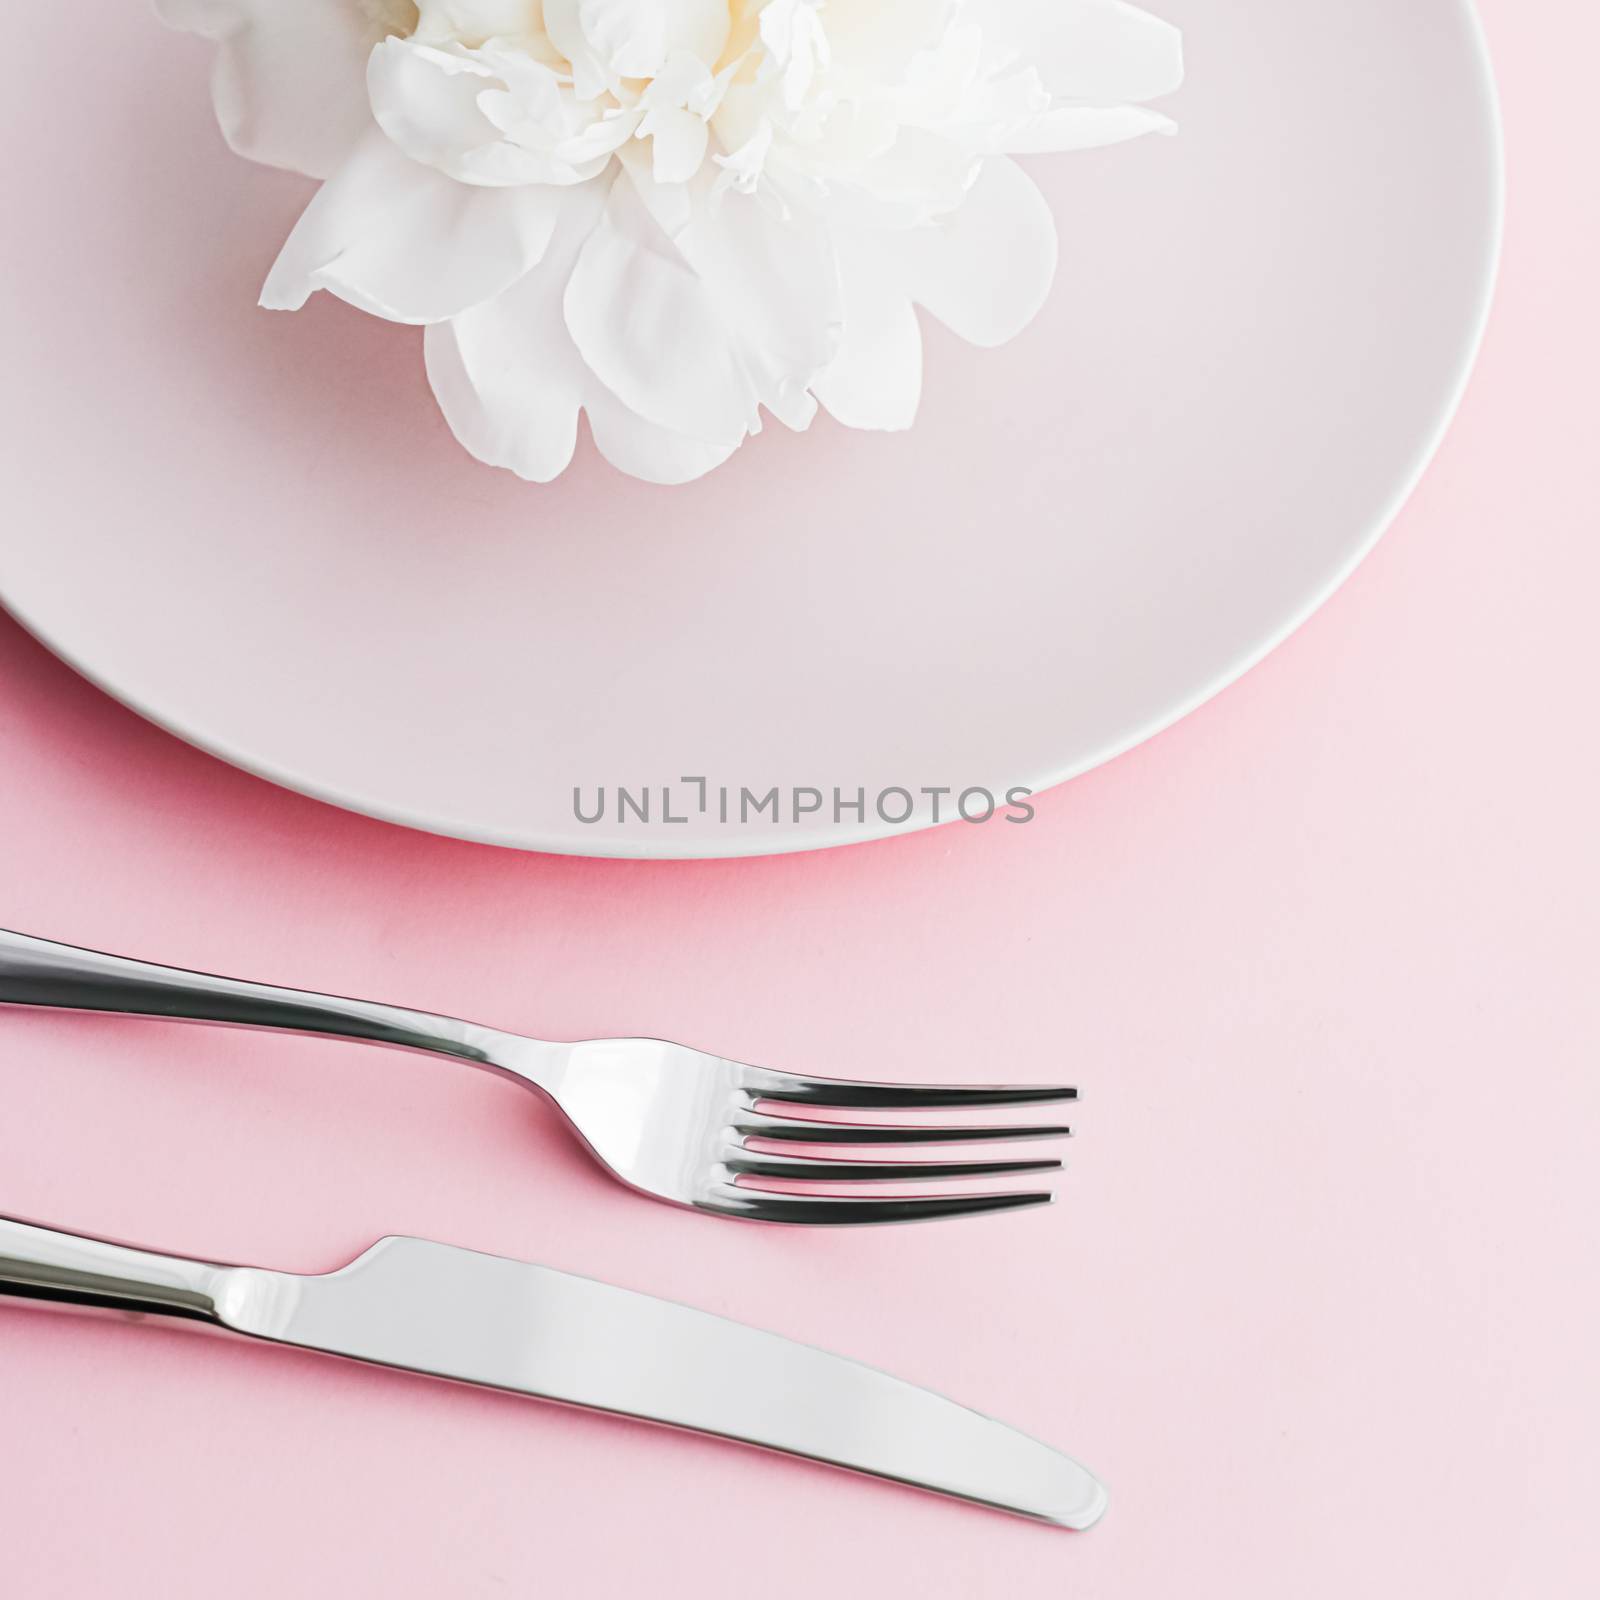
<point x="473" y="1318"/>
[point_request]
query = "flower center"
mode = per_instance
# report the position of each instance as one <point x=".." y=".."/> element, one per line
<point x="474" y="22"/>
<point x="788" y="98"/>
<point x="389" y="19"/>
<point x="626" y="38"/>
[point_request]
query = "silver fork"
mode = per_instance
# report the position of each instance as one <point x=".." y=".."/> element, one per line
<point x="671" y="1122"/>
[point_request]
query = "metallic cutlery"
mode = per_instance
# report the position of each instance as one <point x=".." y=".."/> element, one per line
<point x="671" y="1122"/>
<point x="451" y="1313"/>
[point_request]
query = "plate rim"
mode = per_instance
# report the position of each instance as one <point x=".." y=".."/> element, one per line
<point x="800" y="840"/>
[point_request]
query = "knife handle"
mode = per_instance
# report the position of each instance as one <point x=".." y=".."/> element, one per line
<point x="41" y="1264"/>
<point x="39" y="972"/>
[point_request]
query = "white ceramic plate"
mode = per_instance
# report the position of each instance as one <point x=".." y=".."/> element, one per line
<point x="255" y="530"/>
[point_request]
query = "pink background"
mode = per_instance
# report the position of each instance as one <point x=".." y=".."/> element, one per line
<point x="1318" y="1300"/>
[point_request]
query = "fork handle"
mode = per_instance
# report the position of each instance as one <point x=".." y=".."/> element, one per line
<point x="39" y="972"/>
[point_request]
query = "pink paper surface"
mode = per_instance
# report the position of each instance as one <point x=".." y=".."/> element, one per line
<point x="1318" y="1300"/>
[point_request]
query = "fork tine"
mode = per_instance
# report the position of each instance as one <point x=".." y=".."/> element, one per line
<point x="807" y="1209"/>
<point x="762" y="1125"/>
<point x="758" y="1164"/>
<point x="854" y="1094"/>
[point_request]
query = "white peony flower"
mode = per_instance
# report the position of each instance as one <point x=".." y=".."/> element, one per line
<point x="672" y="214"/>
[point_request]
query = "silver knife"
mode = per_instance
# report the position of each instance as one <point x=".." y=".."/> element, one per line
<point x="452" y="1313"/>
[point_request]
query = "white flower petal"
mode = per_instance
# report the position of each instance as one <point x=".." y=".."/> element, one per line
<point x="289" y="76"/>
<point x="651" y="330"/>
<point x="520" y="417"/>
<point x="643" y="450"/>
<point x="426" y="100"/>
<point x="405" y="242"/>
<point x="985" y="271"/>
<point x="678" y="143"/>
<point x="506" y="374"/>
<point x="633" y="38"/>
<point x="1084" y="128"/>
<point x="875" y="381"/>
<point x="511" y="383"/>
<point x="450" y="108"/>
<point x="1095" y="52"/>
<point x="880" y="39"/>
<point x="563" y="22"/>
<point x="773" y="279"/>
<point x="797" y="48"/>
